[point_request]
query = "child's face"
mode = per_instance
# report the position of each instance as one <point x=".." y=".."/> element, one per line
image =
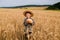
<point x="28" y="15"/>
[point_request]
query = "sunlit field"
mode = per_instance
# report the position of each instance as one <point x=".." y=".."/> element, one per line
<point x="47" y="24"/>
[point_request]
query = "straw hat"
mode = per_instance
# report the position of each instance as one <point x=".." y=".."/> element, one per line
<point x="25" y="12"/>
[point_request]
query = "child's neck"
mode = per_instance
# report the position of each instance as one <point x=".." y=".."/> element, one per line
<point x="28" y="17"/>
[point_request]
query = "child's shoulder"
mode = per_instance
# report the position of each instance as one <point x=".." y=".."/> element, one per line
<point x="32" y="18"/>
<point x="25" y="18"/>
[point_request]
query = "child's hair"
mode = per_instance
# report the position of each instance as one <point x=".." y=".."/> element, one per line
<point x="25" y="12"/>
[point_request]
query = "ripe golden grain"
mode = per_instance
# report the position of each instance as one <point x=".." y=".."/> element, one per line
<point x="47" y="24"/>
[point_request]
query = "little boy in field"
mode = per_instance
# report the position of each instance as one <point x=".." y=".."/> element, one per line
<point x="28" y="21"/>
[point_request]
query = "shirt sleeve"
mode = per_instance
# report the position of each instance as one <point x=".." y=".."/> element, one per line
<point x="25" y="22"/>
<point x="33" y="22"/>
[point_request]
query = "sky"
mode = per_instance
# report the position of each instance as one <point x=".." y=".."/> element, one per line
<point x="8" y="3"/>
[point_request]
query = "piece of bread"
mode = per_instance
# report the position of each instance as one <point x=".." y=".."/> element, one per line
<point x="29" y="21"/>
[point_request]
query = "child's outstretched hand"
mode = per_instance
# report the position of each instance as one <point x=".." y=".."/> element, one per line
<point x="29" y="21"/>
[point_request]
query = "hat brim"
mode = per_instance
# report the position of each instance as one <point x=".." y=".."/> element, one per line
<point x="25" y="12"/>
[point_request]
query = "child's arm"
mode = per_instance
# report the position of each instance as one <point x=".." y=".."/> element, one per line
<point x="24" y="22"/>
<point x="33" y="22"/>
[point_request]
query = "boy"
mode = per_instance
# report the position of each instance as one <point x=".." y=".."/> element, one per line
<point x="28" y="21"/>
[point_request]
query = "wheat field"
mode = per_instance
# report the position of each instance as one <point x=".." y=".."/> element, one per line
<point x="47" y="24"/>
